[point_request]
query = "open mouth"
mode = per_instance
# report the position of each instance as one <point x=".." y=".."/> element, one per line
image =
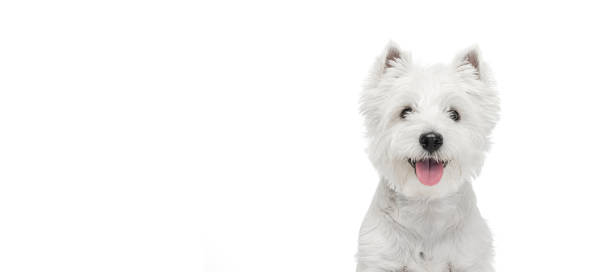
<point x="428" y="171"/>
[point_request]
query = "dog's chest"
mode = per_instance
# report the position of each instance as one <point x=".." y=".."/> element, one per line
<point x="400" y="234"/>
<point x="424" y="255"/>
<point x="427" y="268"/>
<point x="427" y="236"/>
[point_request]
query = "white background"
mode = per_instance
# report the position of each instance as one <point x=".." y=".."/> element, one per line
<point x="201" y="136"/>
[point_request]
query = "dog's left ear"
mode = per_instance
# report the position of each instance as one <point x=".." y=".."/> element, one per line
<point x="480" y="82"/>
<point x="469" y="61"/>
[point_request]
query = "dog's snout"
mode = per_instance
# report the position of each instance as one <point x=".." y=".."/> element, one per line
<point x="431" y="141"/>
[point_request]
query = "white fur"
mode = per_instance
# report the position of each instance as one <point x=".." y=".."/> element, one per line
<point x="410" y="226"/>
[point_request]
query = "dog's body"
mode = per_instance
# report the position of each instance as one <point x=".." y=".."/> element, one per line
<point x="429" y="129"/>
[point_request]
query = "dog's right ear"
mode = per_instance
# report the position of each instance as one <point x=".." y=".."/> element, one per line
<point x="392" y="56"/>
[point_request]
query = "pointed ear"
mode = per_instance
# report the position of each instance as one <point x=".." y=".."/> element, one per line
<point x="470" y="59"/>
<point x="392" y="54"/>
<point x="391" y="57"/>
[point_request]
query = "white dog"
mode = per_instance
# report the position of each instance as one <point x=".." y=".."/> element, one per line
<point x="428" y="130"/>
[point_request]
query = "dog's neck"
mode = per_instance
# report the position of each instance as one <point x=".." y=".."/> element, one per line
<point x="425" y="217"/>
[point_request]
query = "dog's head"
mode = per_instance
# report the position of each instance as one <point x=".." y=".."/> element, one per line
<point x="429" y="127"/>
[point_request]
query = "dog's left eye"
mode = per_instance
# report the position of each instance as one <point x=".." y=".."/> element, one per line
<point x="454" y="115"/>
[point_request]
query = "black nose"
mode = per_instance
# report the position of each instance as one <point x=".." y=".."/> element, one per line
<point x="431" y="141"/>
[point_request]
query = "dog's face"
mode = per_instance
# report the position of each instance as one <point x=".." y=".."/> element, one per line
<point x="429" y="127"/>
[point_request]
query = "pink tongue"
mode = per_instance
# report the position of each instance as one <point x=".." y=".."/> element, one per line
<point x="429" y="171"/>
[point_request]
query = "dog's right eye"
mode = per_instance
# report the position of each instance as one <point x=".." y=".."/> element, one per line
<point x="405" y="112"/>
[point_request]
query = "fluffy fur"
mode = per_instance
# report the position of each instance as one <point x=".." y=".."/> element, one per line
<point x="411" y="226"/>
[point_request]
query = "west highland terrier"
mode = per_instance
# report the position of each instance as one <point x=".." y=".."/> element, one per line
<point x="428" y="129"/>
